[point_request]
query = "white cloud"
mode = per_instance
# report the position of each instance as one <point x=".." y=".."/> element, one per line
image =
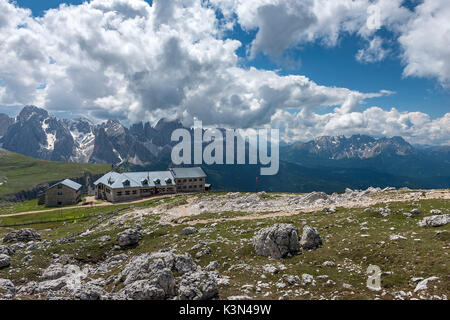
<point x="128" y="60"/>
<point x="426" y="41"/>
<point x="282" y="24"/>
<point x="374" y="52"/>
<point x="423" y="34"/>
<point x="416" y="127"/>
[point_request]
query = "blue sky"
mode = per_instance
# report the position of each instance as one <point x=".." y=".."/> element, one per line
<point x="335" y="66"/>
<point x="143" y="74"/>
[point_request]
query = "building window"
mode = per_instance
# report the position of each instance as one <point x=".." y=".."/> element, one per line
<point x="108" y="190"/>
<point x="119" y="193"/>
<point x="59" y="186"/>
<point x="59" y="193"/>
<point x="184" y="180"/>
<point x="127" y="193"/>
<point x="134" y="192"/>
<point x="184" y="187"/>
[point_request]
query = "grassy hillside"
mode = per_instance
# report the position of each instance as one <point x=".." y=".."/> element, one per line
<point x="19" y="172"/>
<point x="353" y="239"/>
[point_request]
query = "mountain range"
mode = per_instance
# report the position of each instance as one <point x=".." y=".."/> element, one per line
<point x="325" y="163"/>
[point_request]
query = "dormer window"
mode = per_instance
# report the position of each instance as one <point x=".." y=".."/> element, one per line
<point x="169" y="181"/>
<point x="110" y="181"/>
<point x="126" y="182"/>
<point x="145" y="182"/>
<point x="157" y="181"/>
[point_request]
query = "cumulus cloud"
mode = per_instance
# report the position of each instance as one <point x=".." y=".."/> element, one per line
<point x="416" y="127"/>
<point x="128" y="60"/>
<point x="422" y="33"/>
<point x="426" y="41"/>
<point x="282" y="24"/>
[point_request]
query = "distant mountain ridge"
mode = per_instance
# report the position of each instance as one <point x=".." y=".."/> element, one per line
<point x="357" y="146"/>
<point x="37" y="134"/>
<point x="325" y="163"/>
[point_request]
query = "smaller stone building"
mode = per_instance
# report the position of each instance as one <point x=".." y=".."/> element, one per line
<point x="66" y="192"/>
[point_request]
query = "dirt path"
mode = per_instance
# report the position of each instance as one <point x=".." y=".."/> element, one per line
<point x="102" y="204"/>
<point x="257" y="216"/>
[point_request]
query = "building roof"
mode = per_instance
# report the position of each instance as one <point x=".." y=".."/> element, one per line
<point x="68" y="183"/>
<point x="195" y="172"/>
<point x="116" y="180"/>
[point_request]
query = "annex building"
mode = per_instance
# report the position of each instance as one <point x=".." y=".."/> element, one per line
<point x="66" y="192"/>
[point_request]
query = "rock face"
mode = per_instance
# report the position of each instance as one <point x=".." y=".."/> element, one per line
<point x="6" y="250"/>
<point x="278" y="241"/>
<point x="5" y="261"/>
<point x="53" y="272"/>
<point x="311" y="239"/>
<point x="150" y="277"/>
<point x="435" y="221"/>
<point x="197" y="286"/>
<point x="7" y="289"/>
<point x="37" y="134"/>
<point x="23" y="235"/>
<point x="129" y="237"/>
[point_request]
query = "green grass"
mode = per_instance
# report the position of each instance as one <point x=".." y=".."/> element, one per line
<point x="19" y="172"/>
<point x="343" y="242"/>
<point x="81" y="213"/>
<point x="16" y="207"/>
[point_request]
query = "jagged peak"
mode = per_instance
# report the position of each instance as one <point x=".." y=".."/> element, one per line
<point x="28" y="111"/>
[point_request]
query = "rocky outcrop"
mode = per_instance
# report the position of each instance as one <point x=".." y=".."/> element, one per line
<point x="23" y="235"/>
<point x="198" y="285"/>
<point x="7" y="289"/>
<point x="311" y="238"/>
<point x="128" y="238"/>
<point x="435" y="221"/>
<point x="5" y="261"/>
<point x="278" y="241"/>
<point x="189" y="230"/>
<point x="6" y="250"/>
<point x="150" y="277"/>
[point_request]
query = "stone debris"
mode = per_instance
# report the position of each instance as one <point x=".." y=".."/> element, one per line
<point x="269" y="268"/>
<point x="189" y="230"/>
<point x="7" y="289"/>
<point x="6" y="250"/>
<point x="5" y="261"/>
<point x="384" y="211"/>
<point x="422" y="285"/>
